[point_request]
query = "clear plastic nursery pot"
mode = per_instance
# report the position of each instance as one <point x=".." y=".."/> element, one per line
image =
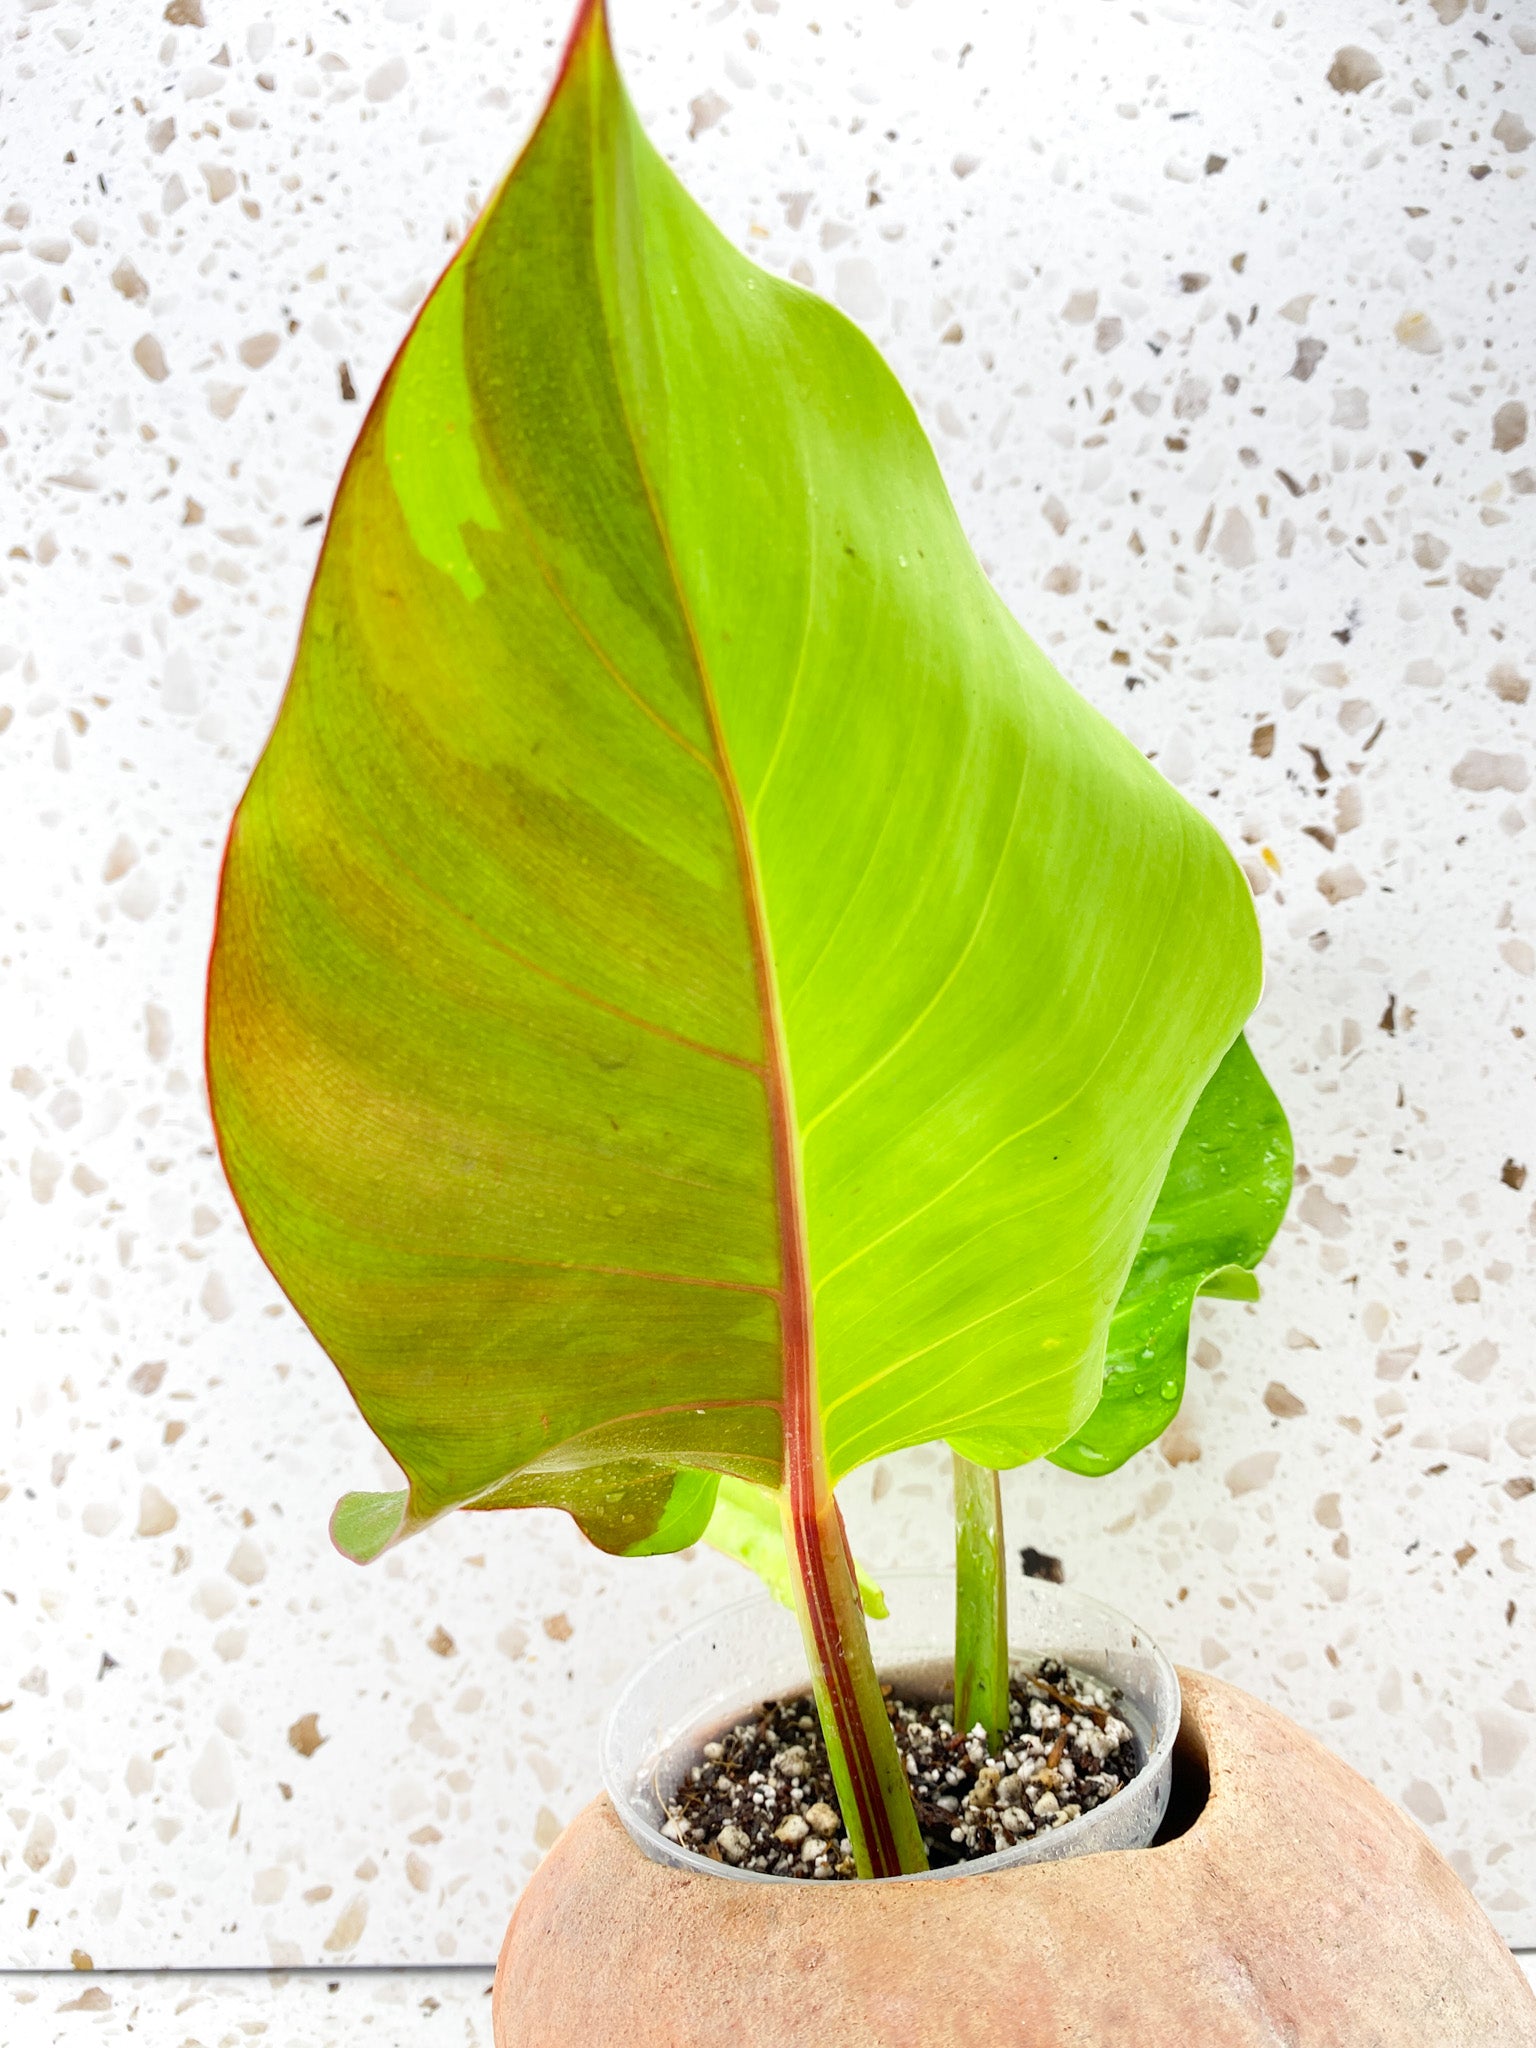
<point x="707" y="1677"/>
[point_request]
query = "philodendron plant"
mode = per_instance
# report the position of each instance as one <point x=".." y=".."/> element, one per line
<point x="697" y="999"/>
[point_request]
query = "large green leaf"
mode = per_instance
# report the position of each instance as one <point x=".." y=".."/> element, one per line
<point x="1221" y="1203"/>
<point x="688" y="970"/>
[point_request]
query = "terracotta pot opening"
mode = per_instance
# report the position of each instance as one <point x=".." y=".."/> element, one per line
<point x="1190" y="1787"/>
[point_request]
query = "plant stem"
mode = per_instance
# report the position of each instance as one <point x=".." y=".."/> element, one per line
<point x="873" y="1795"/>
<point x="872" y="1790"/>
<point x="981" y="1604"/>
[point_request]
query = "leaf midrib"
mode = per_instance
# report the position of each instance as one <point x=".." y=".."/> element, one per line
<point x="799" y="1408"/>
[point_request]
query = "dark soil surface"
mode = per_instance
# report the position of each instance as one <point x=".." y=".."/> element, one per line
<point x="761" y="1795"/>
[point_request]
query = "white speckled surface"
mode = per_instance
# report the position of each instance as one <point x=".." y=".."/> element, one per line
<point x="1228" y="369"/>
<point x="369" y="2008"/>
<point x="349" y="2008"/>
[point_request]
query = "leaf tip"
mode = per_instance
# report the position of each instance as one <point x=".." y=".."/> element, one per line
<point x="873" y="1599"/>
<point x="1232" y="1283"/>
<point x="364" y="1525"/>
<point x="591" y="21"/>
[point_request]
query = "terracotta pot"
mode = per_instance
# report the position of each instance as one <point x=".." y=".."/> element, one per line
<point x="1287" y="1905"/>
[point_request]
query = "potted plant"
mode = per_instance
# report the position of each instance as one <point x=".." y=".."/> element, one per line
<point x="698" y="1004"/>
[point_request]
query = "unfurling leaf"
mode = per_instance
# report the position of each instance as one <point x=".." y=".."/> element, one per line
<point x="748" y="1527"/>
<point x="1221" y="1203"/>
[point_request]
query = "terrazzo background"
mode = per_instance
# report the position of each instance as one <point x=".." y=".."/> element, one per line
<point x="345" y="2008"/>
<point x="354" y="2009"/>
<point x="1228" y="362"/>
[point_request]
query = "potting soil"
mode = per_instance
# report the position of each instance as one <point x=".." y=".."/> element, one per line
<point x="761" y="1795"/>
